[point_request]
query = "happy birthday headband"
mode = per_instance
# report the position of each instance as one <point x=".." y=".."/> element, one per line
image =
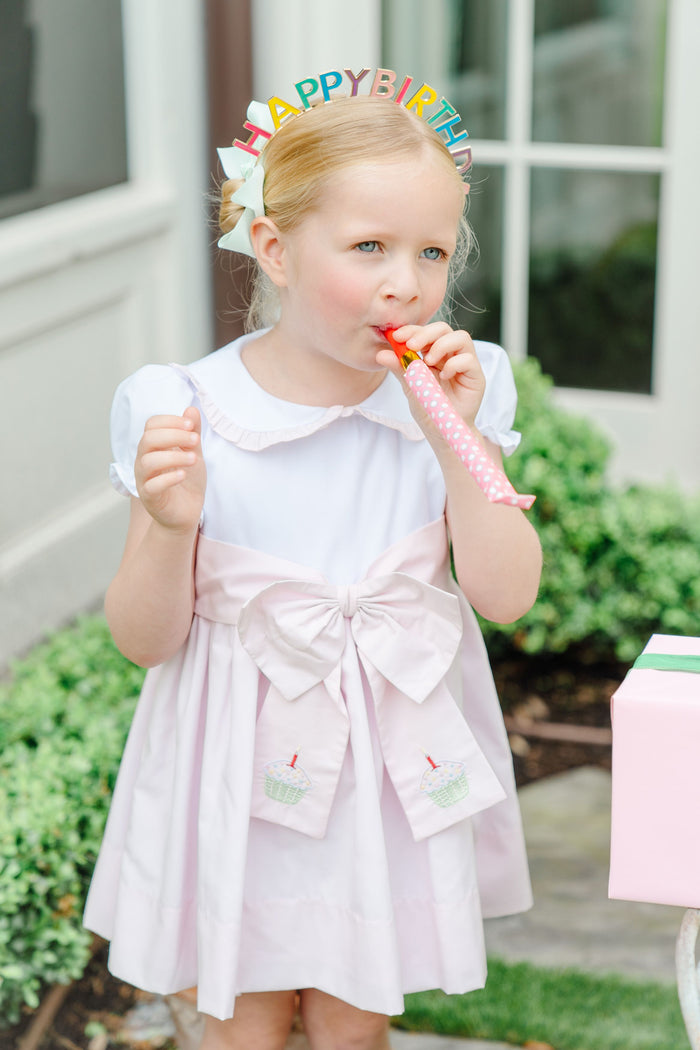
<point x="239" y="160"/>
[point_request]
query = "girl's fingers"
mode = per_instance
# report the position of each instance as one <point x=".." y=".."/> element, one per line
<point x="166" y="438"/>
<point x="169" y="469"/>
<point x="446" y="347"/>
<point x="460" y="364"/>
<point x="418" y="337"/>
<point x="153" y="463"/>
<point x="160" y="483"/>
<point x="436" y="341"/>
<point x="388" y="359"/>
<point x="184" y="422"/>
<point x="191" y="417"/>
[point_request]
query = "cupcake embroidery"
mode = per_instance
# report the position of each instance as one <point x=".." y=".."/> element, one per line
<point x="445" y="783"/>
<point x="286" y="781"/>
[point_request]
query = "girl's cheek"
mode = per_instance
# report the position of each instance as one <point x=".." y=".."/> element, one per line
<point x="345" y="288"/>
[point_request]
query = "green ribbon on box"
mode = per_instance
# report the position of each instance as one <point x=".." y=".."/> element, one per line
<point x="667" y="662"/>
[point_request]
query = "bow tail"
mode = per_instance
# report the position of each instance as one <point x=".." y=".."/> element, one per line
<point x="299" y="750"/>
<point x="438" y="770"/>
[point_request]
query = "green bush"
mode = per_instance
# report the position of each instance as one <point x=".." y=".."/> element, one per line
<point x="618" y="565"/>
<point x="614" y="288"/>
<point x="63" y="723"/>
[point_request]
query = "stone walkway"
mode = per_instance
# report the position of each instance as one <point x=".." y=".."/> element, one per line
<point x="567" y="827"/>
<point x="573" y="923"/>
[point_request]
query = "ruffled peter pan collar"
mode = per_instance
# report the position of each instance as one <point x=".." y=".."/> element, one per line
<point x="240" y="411"/>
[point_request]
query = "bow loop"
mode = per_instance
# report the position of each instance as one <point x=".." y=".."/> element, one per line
<point x="250" y="194"/>
<point x="410" y="632"/>
<point x="295" y="633"/>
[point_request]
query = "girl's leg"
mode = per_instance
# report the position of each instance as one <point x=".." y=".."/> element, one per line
<point x="189" y="1023"/>
<point x="331" y="1024"/>
<point x="261" y="1022"/>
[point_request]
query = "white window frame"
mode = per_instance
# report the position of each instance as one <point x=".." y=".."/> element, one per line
<point x="656" y="436"/>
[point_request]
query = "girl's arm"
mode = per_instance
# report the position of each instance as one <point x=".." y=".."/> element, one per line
<point x="150" y="602"/>
<point x="497" y="554"/>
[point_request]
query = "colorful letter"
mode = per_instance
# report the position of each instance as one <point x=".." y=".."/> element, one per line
<point x="445" y="108"/>
<point x="403" y="89"/>
<point x="447" y="126"/>
<point x="355" y="80"/>
<point x="305" y="95"/>
<point x="327" y="84"/>
<point x="425" y="96"/>
<point x="384" y="83"/>
<point x="255" y="134"/>
<point x="464" y="156"/>
<point x="285" y="109"/>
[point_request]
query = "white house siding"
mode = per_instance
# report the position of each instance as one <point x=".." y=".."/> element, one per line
<point x="90" y="289"/>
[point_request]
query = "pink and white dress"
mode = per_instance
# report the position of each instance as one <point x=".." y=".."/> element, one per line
<point x="317" y="789"/>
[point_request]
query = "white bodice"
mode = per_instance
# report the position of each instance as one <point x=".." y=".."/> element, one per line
<point x="330" y="488"/>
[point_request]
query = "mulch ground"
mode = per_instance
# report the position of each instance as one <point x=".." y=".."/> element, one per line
<point x="539" y="699"/>
<point x="542" y="696"/>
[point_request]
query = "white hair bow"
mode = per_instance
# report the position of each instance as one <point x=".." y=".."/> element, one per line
<point x="239" y="164"/>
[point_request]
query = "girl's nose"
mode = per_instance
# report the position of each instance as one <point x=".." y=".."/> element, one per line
<point x="401" y="284"/>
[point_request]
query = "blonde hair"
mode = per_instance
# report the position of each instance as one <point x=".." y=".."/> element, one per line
<point x="308" y="150"/>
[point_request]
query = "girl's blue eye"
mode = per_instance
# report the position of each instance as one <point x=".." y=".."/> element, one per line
<point x="367" y="246"/>
<point x="433" y="253"/>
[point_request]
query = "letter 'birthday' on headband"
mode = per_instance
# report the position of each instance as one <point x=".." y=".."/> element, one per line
<point x="421" y="98"/>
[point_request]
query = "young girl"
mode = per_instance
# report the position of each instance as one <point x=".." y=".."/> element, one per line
<point x="317" y="795"/>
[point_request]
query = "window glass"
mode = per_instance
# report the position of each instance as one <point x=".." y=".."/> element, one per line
<point x="458" y="46"/>
<point x="62" y="118"/>
<point x="599" y="71"/>
<point x="477" y="297"/>
<point x="592" y="277"/>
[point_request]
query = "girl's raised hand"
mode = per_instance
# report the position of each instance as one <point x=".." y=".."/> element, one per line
<point x="451" y="356"/>
<point x="170" y="473"/>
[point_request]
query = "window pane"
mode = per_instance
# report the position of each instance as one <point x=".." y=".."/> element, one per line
<point x="599" y="71"/>
<point x="592" y="277"/>
<point x="477" y="298"/>
<point x="62" y="120"/>
<point x="458" y="46"/>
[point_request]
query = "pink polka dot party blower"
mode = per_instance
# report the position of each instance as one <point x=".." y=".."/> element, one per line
<point x="421" y="381"/>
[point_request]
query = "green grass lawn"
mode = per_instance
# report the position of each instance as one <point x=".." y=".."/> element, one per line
<point x="566" y="1009"/>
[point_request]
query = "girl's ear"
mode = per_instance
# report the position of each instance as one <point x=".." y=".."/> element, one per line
<point x="269" y="250"/>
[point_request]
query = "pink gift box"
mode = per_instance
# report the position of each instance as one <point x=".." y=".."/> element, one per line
<point x="655" y="837"/>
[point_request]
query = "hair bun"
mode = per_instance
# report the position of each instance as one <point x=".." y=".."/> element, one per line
<point x="229" y="211"/>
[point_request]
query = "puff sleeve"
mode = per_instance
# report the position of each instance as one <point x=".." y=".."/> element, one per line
<point x="496" y="414"/>
<point x="153" y="390"/>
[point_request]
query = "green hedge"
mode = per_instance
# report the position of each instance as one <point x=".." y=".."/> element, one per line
<point x="618" y="565"/>
<point x="615" y="291"/>
<point x="63" y="723"/>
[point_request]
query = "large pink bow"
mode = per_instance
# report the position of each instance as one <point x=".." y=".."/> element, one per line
<point x="306" y="638"/>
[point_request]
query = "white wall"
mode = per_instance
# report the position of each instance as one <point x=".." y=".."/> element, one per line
<point x="90" y="289"/>
<point x="293" y="39"/>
